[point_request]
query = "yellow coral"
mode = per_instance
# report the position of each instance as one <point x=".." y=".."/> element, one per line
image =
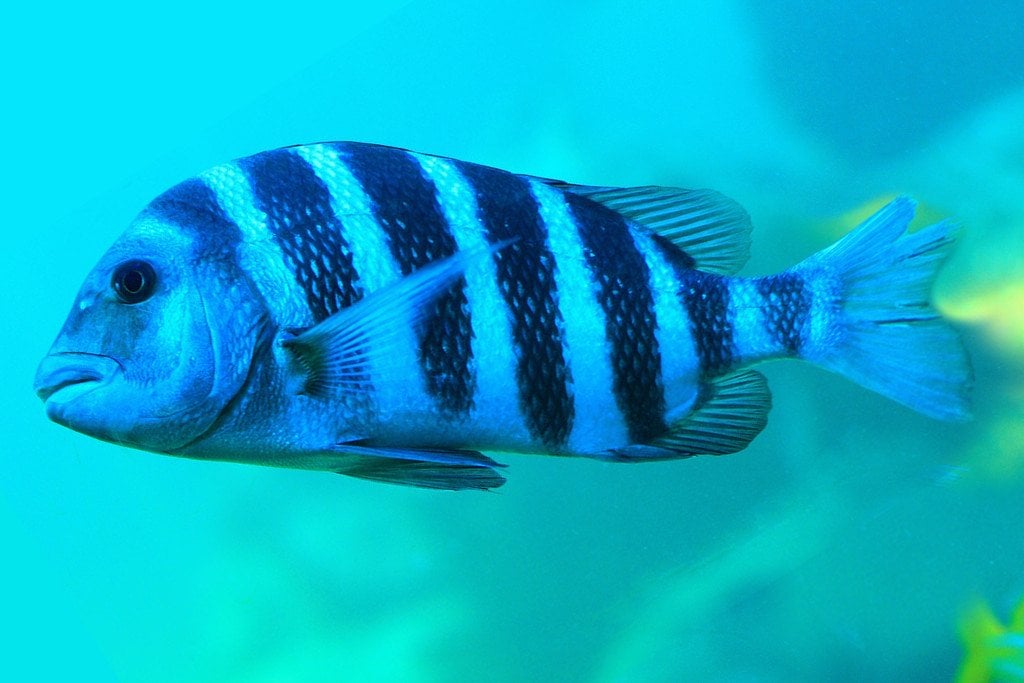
<point x="995" y="652"/>
<point x="999" y="309"/>
<point x="844" y="223"/>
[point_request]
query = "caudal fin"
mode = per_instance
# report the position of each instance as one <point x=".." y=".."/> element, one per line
<point x="872" y="293"/>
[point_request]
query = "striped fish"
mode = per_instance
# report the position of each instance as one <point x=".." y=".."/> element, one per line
<point x="393" y="316"/>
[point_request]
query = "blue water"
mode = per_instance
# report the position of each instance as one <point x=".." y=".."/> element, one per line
<point x="844" y="544"/>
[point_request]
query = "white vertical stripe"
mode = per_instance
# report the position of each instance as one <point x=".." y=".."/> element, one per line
<point x="599" y="424"/>
<point x="259" y="254"/>
<point x="496" y="401"/>
<point x="751" y="338"/>
<point x="822" y="312"/>
<point x="397" y="378"/>
<point x="371" y="254"/>
<point x="680" y="366"/>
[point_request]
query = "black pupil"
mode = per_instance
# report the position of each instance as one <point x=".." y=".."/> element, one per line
<point x="133" y="281"/>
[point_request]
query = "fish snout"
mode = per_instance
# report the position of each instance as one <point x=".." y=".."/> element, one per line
<point x="67" y="374"/>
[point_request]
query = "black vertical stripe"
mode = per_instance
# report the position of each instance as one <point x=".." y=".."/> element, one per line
<point x="630" y="322"/>
<point x="406" y="207"/>
<point x="786" y="306"/>
<point x="299" y="214"/>
<point x="680" y="261"/>
<point x="706" y="298"/>
<point x="526" y="279"/>
<point x="193" y="206"/>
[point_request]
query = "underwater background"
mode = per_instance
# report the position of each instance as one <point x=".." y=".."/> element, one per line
<point x="853" y="540"/>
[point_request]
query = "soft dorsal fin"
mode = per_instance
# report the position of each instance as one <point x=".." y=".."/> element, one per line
<point x="732" y="411"/>
<point x="711" y="228"/>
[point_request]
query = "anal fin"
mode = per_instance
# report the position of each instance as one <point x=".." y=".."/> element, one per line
<point x="730" y="413"/>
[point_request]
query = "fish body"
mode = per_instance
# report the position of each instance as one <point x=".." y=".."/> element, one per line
<point x="392" y="315"/>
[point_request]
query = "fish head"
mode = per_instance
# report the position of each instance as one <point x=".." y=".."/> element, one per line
<point x="158" y="341"/>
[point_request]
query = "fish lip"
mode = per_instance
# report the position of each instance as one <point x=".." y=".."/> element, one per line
<point x="64" y="369"/>
<point x="56" y="385"/>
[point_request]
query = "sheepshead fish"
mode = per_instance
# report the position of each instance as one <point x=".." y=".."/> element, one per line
<point x="394" y="316"/>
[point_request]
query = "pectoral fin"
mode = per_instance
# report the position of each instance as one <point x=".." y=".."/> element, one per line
<point x="334" y="354"/>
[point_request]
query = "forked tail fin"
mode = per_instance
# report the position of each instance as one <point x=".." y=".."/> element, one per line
<point x="873" y="320"/>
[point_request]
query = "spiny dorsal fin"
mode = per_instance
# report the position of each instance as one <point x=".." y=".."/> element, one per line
<point x="711" y="228"/>
<point x="732" y="412"/>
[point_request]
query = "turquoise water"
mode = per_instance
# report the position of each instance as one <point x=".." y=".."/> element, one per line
<point x="845" y="544"/>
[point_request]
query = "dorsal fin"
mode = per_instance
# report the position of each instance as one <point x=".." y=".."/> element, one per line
<point x="732" y="411"/>
<point x="711" y="228"/>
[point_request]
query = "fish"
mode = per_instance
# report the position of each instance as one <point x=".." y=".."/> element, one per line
<point x="397" y="317"/>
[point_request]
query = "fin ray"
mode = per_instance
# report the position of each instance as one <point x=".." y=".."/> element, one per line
<point x="884" y="333"/>
<point x="450" y="470"/>
<point x="335" y="353"/>
<point x="432" y="468"/>
<point x="729" y="416"/>
<point x="441" y="456"/>
<point x="708" y="226"/>
<point x="427" y="475"/>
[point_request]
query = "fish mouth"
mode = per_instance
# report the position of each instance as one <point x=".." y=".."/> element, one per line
<point x="67" y="375"/>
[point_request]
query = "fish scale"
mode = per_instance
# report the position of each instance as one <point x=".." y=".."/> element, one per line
<point x="706" y="297"/>
<point x="787" y="303"/>
<point x="508" y="211"/>
<point x="623" y="276"/>
<point x="406" y="207"/>
<point x="584" y="327"/>
<point x="542" y="369"/>
<point x="494" y="357"/>
<point x="297" y="205"/>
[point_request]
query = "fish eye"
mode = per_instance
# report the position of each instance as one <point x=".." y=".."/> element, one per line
<point x="133" y="281"/>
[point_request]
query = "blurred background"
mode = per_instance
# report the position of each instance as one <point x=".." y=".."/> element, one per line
<point x="847" y="543"/>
